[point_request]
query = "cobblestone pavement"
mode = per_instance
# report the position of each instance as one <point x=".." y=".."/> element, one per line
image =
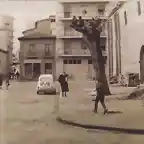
<point x="27" y="118"/>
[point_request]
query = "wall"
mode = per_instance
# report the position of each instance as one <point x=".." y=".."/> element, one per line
<point x="132" y="36"/>
<point x="3" y="62"/>
<point x="40" y="46"/>
<point x="74" y="47"/>
<point x="40" y="50"/>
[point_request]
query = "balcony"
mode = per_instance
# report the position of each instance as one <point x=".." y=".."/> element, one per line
<point x="31" y="55"/>
<point x="74" y="52"/>
<point x="67" y="16"/>
<point x="48" y="55"/>
<point x="71" y="34"/>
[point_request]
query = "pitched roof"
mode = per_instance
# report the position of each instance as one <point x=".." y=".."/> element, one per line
<point x="37" y="35"/>
<point x="36" y="24"/>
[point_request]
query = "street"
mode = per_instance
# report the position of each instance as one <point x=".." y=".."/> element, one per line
<point x="28" y="118"/>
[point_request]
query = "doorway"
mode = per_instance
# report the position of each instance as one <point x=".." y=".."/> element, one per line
<point x="36" y="70"/>
<point x="142" y="64"/>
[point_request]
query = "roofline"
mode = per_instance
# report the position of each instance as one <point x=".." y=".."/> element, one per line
<point x="36" y="24"/>
<point x="82" y="1"/>
<point x="39" y="38"/>
<point x="3" y="51"/>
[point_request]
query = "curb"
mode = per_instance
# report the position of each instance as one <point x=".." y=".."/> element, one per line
<point x="104" y="128"/>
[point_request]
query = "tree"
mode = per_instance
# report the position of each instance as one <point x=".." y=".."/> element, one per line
<point x="91" y="36"/>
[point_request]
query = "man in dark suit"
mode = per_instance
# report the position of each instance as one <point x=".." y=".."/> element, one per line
<point x="100" y="97"/>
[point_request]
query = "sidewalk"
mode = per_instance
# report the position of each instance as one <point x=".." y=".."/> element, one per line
<point x="78" y="106"/>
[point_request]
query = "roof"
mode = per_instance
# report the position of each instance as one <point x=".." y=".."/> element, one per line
<point x="83" y="1"/>
<point x="36" y="24"/>
<point x="37" y="35"/>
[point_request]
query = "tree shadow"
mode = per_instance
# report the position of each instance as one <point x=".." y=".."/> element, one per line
<point x="105" y="128"/>
<point x="114" y="112"/>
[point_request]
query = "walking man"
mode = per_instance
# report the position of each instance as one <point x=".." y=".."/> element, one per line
<point x="64" y="84"/>
<point x="100" y="97"/>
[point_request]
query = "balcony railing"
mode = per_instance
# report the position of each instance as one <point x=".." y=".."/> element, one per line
<point x="31" y="54"/>
<point x="48" y="54"/>
<point x="75" y="52"/>
<point x="88" y="16"/>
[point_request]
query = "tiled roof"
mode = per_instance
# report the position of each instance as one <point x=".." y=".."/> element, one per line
<point x="37" y="35"/>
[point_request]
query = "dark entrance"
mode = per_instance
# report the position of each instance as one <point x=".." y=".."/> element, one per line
<point x="48" y="68"/>
<point x="142" y="64"/>
<point x="28" y="70"/>
<point x="36" y="70"/>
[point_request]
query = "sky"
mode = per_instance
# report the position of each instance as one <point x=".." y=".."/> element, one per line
<point x="25" y="13"/>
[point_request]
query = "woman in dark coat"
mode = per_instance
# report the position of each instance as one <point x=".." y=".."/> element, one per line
<point x="64" y="84"/>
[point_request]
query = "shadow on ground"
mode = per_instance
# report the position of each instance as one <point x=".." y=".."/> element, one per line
<point x="105" y="128"/>
<point x="114" y="112"/>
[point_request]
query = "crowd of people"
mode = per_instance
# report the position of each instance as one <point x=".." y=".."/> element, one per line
<point x="5" y="78"/>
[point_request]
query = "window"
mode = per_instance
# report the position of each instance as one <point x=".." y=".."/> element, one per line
<point x="70" y="62"/>
<point x="65" y="62"/>
<point x="139" y="7"/>
<point x="74" y="61"/>
<point x="79" y="62"/>
<point x="48" y="66"/>
<point x="125" y="17"/>
<point x="52" y="20"/>
<point x="32" y="47"/>
<point x="89" y="61"/>
<point x="47" y="49"/>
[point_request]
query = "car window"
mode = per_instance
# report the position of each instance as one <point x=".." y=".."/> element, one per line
<point x="45" y="79"/>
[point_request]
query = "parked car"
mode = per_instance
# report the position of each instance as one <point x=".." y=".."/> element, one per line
<point x="46" y="84"/>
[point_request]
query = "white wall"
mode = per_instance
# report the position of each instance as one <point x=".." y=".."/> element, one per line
<point x="132" y="36"/>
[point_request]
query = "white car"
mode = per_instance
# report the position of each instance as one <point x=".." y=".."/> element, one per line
<point x="46" y="84"/>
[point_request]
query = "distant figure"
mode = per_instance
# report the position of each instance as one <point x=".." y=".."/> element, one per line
<point x="1" y="80"/>
<point x="80" y="22"/>
<point x="7" y="78"/>
<point x="74" y="21"/>
<point x="64" y="84"/>
<point x="17" y="75"/>
<point x="100" y="97"/>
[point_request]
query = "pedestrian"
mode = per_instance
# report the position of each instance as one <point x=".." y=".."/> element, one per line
<point x="17" y="75"/>
<point x="1" y="80"/>
<point x="100" y="97"/>
<point x="8" y="77"/>
<point x="63" y="83"/>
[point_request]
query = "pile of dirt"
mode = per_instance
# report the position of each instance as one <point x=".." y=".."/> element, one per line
<point x="137" y="94"/>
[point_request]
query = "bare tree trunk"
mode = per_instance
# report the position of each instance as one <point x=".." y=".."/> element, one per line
<point x="101" y="64"/>
<point x="98" y="61"/>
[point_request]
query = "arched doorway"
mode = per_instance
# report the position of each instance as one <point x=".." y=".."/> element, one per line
<point x="142" y="64"/>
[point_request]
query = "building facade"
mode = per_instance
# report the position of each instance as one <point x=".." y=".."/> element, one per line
<point x="6" y="42"/>
<point x="37" y="51"/>
<point x="72" y="54"/>
<point x="127" y="39"/>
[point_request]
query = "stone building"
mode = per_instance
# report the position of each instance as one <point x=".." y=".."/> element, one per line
<point x="6" y="42"/>
<point x="37" y="51"/>
<point x="127" y="39"/>
<point x="73" y="55"/>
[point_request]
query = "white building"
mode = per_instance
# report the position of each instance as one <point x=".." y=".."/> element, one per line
<point x="6" y="41"/>
<point x="73" y="56"/>
<point x="126" y="29"/>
